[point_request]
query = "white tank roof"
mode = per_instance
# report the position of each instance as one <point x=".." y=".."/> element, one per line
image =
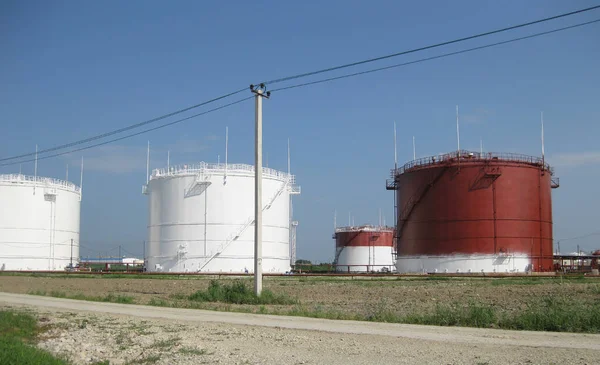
<point x="26" y="180"/>
<point x="217" y="169"/>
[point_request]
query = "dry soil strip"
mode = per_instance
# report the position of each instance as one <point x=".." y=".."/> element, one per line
<point x="431" y="333"/>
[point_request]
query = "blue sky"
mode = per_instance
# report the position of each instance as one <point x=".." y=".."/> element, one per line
<point x="70" y="70"/>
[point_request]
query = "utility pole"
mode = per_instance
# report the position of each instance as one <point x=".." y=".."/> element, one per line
<point x="71" y="250"/>
<point x="120" y="252"/>
<point x="259" y="92"/>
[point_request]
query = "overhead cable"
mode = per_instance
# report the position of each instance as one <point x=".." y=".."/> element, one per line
<point x="121" y="130"/>
<point x="131" y="135"/>
<point x="140" y="124"/>
<point x="302" y="75"/>
<point x="433" y="57"/>
<point x="578" y="237"/>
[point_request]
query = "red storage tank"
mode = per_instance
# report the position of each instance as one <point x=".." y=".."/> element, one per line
<point x="472" y="212"/>
<point x="364" y="249"/>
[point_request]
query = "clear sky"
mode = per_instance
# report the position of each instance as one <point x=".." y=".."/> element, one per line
<point x="72" y="69"/>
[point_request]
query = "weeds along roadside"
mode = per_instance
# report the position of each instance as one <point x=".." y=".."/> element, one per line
<point x="18" y="334"/>
<point x="547" y="313"/>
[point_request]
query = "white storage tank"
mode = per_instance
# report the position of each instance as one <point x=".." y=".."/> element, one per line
<point x="39" y="223"/>
<point x="364" y="249"/>
<point x="201" y="219"/>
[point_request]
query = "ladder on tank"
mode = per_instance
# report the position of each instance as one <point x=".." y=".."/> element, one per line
<point x="247" y="224"/>
<point x="486" y="176"/>
<point x="414" y="200"/>
<point x="339" y="252"/>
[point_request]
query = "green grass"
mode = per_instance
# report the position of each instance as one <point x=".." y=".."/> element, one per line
<point x="166" y="343"/>
<point x="545" y="314"/>
<point x="151" y="359"/>
<point x="318" y="312"/>
<point x="112" y="298"/>
<point x="123" y="299"/>
<point x="238" y="292"/>
<point x="556" y="314"/>
<point x="159" y="303"/>
<point x="18" y="332"/>
<point x="471" y="315"/>
<point x="193" y="351"/>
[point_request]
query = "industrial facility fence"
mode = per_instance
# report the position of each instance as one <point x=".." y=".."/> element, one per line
<point x="42" y="181"/>
<point x="464" y="155"/>
<point x="204" y="167"/>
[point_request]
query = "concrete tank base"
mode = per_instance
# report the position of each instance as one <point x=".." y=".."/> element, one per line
<point x="515" y="263"/>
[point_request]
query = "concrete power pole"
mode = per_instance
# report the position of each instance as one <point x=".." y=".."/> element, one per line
<point x="259" y="92"/>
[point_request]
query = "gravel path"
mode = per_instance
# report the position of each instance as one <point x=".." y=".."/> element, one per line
<point x="90" y="331"/>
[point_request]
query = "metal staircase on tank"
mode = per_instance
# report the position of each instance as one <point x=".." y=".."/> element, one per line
<point x="233" y="237"/>
<point x="199" y="185"/>
<point x="486" y="176"/>
<point x="338" y="252"/>
<point x="392" y="184"/>
<point x="414" y="200"/>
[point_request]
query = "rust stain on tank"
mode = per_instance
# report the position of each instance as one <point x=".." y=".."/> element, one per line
<point x="480" y="204"/>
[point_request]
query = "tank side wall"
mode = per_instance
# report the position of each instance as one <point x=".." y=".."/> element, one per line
<point x="36" y="229"/>
<point x="365" y="259"/>
<point x="469" y="212"/>
<point x="186" y="230"/>
<point x="362" y="251"/>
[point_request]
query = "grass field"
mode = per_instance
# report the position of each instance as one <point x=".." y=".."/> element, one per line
<point x="528" y="303"/>
<point x="18" y="333"/>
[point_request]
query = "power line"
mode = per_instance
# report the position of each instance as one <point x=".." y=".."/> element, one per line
<point x="429" y="47"/>
<point x="128" y="252"/>
<point x="131" y="135"/>
<point x="434" y="57"/>
<point x="137" y="125"/>
<point x="124" y="129"/>
<point x="579" y="237"/>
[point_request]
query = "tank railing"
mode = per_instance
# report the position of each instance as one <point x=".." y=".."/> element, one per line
<point x="295" y="189"/>
<point x="220" y="167"/>
<point x="468" y="155"/>
<point x="42" y="181"/>
<point x="366" y="228"/>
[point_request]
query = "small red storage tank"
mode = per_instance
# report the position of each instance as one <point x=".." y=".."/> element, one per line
<point x="364" y="249"/>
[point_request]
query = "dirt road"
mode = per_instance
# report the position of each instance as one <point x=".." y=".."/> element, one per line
<point x="237" y="338"/>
